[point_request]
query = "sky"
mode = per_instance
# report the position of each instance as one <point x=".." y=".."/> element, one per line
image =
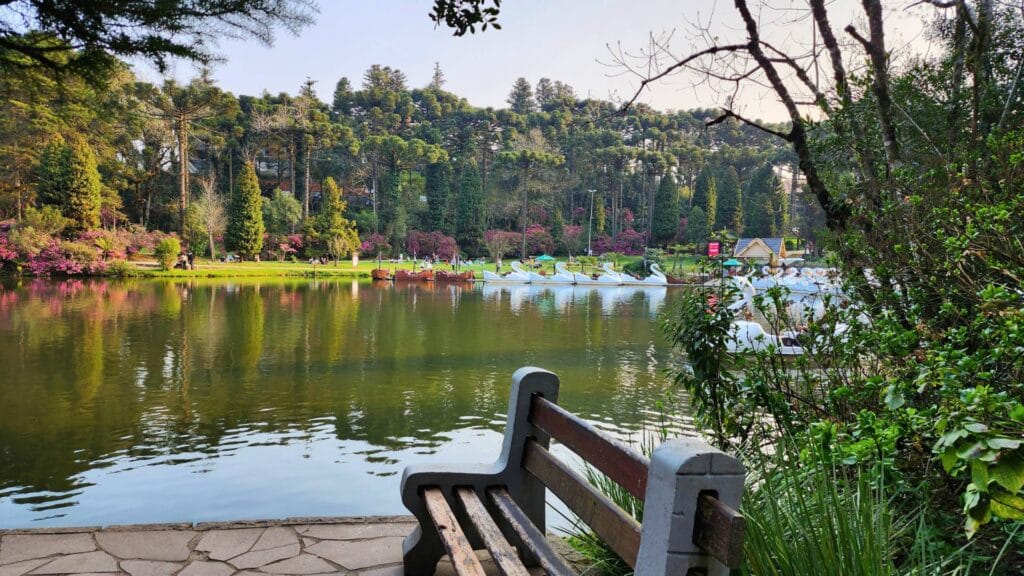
<point x="565" y="40"/>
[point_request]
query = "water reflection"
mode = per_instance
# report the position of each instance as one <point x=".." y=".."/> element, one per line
<point x="168" y="401"/>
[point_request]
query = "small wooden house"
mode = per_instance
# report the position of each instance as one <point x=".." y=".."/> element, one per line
<point x="772" y="249"/>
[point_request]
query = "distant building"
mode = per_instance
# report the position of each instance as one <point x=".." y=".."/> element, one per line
<point x="771" y="248"/>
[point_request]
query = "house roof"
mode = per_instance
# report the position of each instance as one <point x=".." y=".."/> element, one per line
<point x="773" y="244"/>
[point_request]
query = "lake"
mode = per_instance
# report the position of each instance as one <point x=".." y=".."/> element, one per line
<point x="159" y="401"/>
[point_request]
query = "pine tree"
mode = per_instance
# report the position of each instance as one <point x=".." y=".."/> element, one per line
<point x="437" y="80"/>
<point x="728" y="209"/>
<point x="337" y="234"/>
<point x="705" y="194"/>
<point x="68" y="177"/>
<point x="470" y="222"/>
<point x="245" y="220"/>
<point x="520" y="99"/>
<point x="557" y="228"/>
<point x="756" y="220"/>
<point x="666" y="211"/>
<point x="343" y="96"/>
<point x="438" y="192"/>
<point x="697" y="226"/>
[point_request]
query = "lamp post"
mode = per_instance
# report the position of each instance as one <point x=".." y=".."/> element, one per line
<point x="590" y="227"/>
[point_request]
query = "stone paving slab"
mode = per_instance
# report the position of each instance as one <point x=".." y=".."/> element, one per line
<point x="353" y="546"/>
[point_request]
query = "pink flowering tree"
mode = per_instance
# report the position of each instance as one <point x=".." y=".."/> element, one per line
<point x="376" y="244"/>
<point x="539" y="240"/>
<point x="431" y="244"/>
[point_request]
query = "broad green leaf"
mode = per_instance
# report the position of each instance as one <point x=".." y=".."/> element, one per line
<point x="979" y="475"/>
<point x="1009" y="472"/>
<point x="1003" y="443"/>
<point x="948" y="459"/>
<point x="1007" y="506"/>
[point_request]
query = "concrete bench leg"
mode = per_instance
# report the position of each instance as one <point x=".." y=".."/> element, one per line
<point x="680" y="470"/>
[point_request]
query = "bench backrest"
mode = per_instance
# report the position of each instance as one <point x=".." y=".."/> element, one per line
<point x="690" y="489"/>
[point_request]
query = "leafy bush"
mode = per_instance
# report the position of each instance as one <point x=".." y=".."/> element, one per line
<point x="65" y="257"/>
<point x="435" y="243"/>
<point x="539" y="240"/>
<point x="167" y="252"/>
<point x="376" y="244"/>
<point x="122" y="269"/>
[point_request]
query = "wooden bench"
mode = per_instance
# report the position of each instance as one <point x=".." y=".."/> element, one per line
<point x="690" y="490"/>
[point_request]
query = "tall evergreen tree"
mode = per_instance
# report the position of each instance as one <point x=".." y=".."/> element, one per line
<point x="557" y="228"/>
<point x="520" y="99"/>
<point x="336" y="234"/>
<point x="728" y="209"/>
<point x="438" y="192"/>
<point x="470" y="222"/>
<point x="759" y="209"/>
<point x="67" y="176"/>
<point x="437" y="81"/>
<point x="245" y="220"/>
<point x="705" y="194"/>
<point x="342" y="103"/>
<point x="697" y="226"/>
<point x="666" y="211"/>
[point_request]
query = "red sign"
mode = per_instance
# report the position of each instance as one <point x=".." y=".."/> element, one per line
<point x="713" y="249"/>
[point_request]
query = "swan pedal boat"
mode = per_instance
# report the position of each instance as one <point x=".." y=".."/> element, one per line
<point x="561" y="276"/>
<point x="516" y="276"/>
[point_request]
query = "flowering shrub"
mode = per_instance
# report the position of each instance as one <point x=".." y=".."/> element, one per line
<point x="574" y="239"/>
<point x="601" y="244"/>
<point x="630" y="242"/>
<point x="628" y="218"/>
<point x="7" y="250"/>
<point x="501" y="242"/>
<point x="539" y="240"/>
<point x="431" y="244"/>
<point x="375" y="244"/>
<point x="110" y="244"/>
<point x="66" y="258"/>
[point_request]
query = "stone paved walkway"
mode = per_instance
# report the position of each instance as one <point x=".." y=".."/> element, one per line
<point x="304" y="546"/>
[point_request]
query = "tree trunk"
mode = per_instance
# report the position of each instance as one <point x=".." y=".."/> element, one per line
<point x="213" y="249"/>
<point x="522" y="215"/>
<point x="305" y="186"/>
<point x="291" y="167"/>
<point x="182" y="172"/>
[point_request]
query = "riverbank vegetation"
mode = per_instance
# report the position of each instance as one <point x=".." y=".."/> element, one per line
<point x="382" y="168"/>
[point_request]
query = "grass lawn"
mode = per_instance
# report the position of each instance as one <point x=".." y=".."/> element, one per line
<point x="206" y="268"/>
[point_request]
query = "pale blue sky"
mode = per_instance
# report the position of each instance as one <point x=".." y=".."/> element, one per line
<point x="558" y="39"/>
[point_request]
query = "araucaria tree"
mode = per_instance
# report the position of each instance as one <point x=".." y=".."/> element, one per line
<point x="245" y="224"/>
<point x="68" y="177"/>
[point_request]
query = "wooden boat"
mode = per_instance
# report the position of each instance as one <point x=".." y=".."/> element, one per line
<point x="446" y="276"/>
<point x="409" y="275"/>
<point x="380" y="274"/>
<point x="673" y="279"/>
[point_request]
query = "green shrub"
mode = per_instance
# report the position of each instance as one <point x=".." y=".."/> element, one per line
<point x="167" y="251"/>
<point x="122" y="269"/>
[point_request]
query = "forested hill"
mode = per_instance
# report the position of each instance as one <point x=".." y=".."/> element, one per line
<point x="406" y="158"/>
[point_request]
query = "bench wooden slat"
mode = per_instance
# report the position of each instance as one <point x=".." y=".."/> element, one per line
<point x="504" y="554"/>
<point x="531" y="537"/>
<point x="455" y="542"/>
<point x="622" y="464"/>
<point x="616" y="527"/>
<point x="719" y="530"/>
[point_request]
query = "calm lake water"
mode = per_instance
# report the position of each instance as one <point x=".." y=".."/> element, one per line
<point x="153" y="401"/>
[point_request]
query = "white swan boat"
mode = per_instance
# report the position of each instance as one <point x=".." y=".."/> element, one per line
<point x="657" y="278"/>
<point x="561" y="276"/>
<point x="750" y="337"/>
<point x="609" y="278"/>
<point x="516" y="276"/>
